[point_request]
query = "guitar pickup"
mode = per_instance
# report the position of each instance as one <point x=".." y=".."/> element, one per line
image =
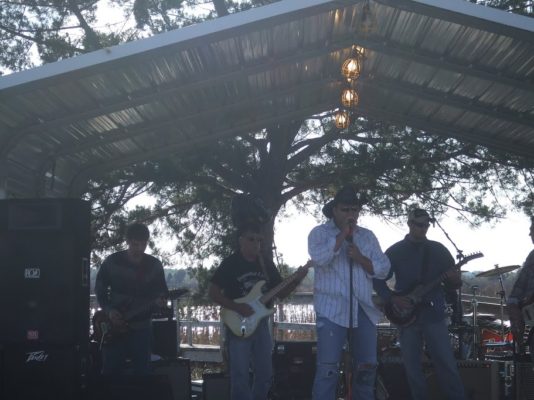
<point x="243" y="327"/>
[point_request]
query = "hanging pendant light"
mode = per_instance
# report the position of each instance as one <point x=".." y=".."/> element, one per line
<point x="349" y="98"/>
<point x="342" y="119"/>
<point x="351" y="68"/>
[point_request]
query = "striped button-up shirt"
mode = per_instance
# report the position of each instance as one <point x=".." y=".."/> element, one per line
<point x="332" y="290"/>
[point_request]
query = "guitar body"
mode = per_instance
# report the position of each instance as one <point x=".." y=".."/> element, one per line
<point x="407" y="316"/>
<point x="103" y="330"/>
<point x="245" y="326"/>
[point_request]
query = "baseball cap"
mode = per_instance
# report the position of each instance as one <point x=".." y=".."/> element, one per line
<point x="419" y="215"/>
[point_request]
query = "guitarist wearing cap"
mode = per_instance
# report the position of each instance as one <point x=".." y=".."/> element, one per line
<point x="248" y="338"/>
<point x="130" y="280"/>
<point x="415" y="260"/>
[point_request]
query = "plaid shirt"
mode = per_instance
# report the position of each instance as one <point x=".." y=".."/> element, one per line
<point x="523" y="289"/>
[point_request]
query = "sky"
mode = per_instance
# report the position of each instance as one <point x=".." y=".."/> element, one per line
<point x="504" y="243"/>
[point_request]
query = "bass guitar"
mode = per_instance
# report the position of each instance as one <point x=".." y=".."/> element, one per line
<point x="104" y="331"/>
<point x="245" y="326"/>
<point x="406" y="316"/>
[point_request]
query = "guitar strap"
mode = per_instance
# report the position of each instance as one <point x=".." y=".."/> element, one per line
<point x="424" y="263"/>
<point x="261" y="261"/>
<point x="424" y="266"/>
<point x="139" y="278"/>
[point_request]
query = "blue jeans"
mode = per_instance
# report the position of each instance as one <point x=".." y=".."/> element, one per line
<point x="330" y="341"/>
<point x="253" y="352"/>
<point x="135" y="345"/>
<point x="436" y="337"/>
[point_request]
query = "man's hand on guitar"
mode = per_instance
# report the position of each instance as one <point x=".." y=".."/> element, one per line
<point x="401" y="302"/>
<point x="454" y="278"/>
<point x="303" y="271"/>
<point x="161" y="302"/>
<point x="117" y="319"/>
<point x="243" y="309"/>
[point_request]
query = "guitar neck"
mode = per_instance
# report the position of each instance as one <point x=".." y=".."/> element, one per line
<point x="271" y="294"/>
<point x="429" y="286"/>
<point x="150" y="303"/>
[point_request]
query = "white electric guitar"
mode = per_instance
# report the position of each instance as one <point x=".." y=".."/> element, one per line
<point x="245" y="326"/>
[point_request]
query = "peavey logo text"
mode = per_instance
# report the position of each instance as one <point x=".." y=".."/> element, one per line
<point x="37" y="356"/>
<point x="32" y="273"/>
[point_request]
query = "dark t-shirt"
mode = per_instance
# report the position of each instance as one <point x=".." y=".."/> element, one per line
<point x="128" y="287"/>
<point x="237" y="276"/>
<point x="411" y="266"/>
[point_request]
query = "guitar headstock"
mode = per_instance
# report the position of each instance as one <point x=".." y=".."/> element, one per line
<point x="469" y="257"/>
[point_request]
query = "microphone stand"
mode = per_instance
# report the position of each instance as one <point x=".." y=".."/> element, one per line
<point x="458" y="318"/>
<point x="348" y="358"/>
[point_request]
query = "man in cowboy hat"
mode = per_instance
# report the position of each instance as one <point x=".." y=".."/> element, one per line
<point x="336" y="247"/>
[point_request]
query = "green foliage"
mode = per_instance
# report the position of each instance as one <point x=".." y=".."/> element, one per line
<point x="514" y="6"/>
<point x="395" y="166"/>
<point x="302" y="163"/>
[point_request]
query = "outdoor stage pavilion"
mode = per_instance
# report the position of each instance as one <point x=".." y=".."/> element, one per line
<point x="447" y="67"/>
<point x="443" y="66"/>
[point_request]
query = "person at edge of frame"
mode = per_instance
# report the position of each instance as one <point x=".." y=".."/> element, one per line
<point x="522" y="295"/>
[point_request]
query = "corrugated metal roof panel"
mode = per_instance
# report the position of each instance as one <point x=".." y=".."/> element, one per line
<point x="437" y="65"/>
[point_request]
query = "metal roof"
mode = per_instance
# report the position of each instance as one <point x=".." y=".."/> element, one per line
<point x="443" y="66"/>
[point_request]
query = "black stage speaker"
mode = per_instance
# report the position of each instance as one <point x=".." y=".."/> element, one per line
<point x="294" y="369"/>
<point x="44" y="297"/>
<point x="483" y="380"/>
<point x="44" y="274"/>
<point x="178" y="371"/>
<point x="165" y="339"/>
<point x="33" y="371"/>
<point x="393" y="377"/>
<point x="524" y="375"/>
<point x="131" y="387"/>
<point x="215" y="386"/>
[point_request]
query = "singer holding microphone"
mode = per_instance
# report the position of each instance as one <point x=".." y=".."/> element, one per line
<point x="336" y="247"/>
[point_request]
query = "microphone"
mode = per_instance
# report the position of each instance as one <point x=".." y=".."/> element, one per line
<point x="351" y="226"/>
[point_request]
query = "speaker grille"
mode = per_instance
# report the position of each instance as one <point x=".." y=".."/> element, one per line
<point x="294" y="369"/>
<point x="525" y="381"/>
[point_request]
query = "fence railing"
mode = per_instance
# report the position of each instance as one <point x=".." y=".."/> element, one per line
<point x="188" y="331"/>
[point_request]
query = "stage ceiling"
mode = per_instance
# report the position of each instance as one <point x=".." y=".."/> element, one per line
<point x="444" y="66"/>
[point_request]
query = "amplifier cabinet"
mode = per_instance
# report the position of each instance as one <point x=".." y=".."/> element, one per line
<point x="294" y="369"/>
<point x="130" y="387"/>
<point x="483" y="380"/>
<point x="178" y="371"/>
<point x="524" y="375"/>
<point x="215" y="386"/>
<point x="35" y="370"/>
<point x="165" y="338"/>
